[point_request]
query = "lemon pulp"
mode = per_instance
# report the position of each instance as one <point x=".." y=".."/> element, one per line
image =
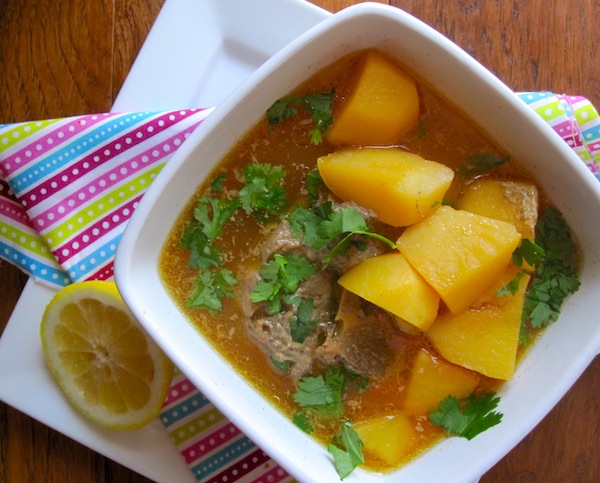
<point x="108" y="367"/>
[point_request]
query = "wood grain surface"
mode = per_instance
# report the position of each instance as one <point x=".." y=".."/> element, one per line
<point x="68" y="57"/>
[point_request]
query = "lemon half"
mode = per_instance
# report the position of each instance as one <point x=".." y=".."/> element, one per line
<point x="106" y="364"/>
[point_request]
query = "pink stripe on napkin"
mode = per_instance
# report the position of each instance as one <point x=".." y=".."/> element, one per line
<point x="79" y="179"/>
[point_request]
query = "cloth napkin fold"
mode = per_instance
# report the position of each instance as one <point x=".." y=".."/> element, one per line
<point x="67" y="189"/>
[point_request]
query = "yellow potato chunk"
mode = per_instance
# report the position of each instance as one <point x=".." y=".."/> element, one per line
<point x="512" y="201"/>
<point x="379" y="107"/>
<point x="391" y="283"/>
<point x="485" y="339"/>
<point x="515" y="202"/>
<point x="459" y="253"/>
<point x="400" y="187"/>
<point x="388" y="438"/>
<point x="432" y="379"/>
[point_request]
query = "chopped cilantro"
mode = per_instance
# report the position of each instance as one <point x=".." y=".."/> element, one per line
<point x="479" y="163"/>
<point x="263" y="194"/>
<point x="342" y="245"/>
<point x="322" y="225"/>
<point x="528" y="251"/>
<point x="217" y="185"/>
<point x="211" y="287"/>
<point x="556" y="273"/>
<point x="213" y="213"/>
<point x="469" y="417"/>
<point x="303" y="323"/>
<point x="280" y="278"/>
<point x="511" y="287"/>
<point x="202" y="254"/>
<point x="323" y="394"/>
<point x="301" y="420"/>
<point x="319" y="107"/>
<point x="283" y="366"/>
<point x="210" y="214"/>
<point x="347" y="451"/>
<point x="313" y="185"/>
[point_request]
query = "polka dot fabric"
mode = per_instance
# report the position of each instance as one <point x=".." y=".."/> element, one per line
<point x="574" y="119"/>
<point x="67" y="189"/>
<point x="213" y="448"/>
<point x="23" y="246"/>
<point x="72" y="184"/>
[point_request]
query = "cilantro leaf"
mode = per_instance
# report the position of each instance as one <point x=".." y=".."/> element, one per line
<point x="281" y="277"/>
<point x="469" y="417"/>
<point x="313" y="185"/>
<point x="511" y="287"/>
<point x="479" y="163"/>
<point x="217" y="185"/>
<point x="210" y="215"/>
<point x="343" y="244"/>
<point x="347" y="453"/>
<point x="556" y="273"/>
<point x="283" y="366"/>
<point x="528" y="251"/>
<point x="213" y="213"/>
<point x="322" y="225"/>
<point x="202" y="254"/>
<point x="263" y="194"/>
<point x="319" y="106"/>
<point x="323" y="394"/>
<point x="301" y="420"/>
<point x="303" y="323"/>
<point x="211" y="287"/>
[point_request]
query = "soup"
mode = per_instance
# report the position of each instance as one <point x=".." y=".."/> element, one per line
<point x="347" y="308"/>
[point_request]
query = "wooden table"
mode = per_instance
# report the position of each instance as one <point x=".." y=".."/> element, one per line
<point x="71" y="57"/>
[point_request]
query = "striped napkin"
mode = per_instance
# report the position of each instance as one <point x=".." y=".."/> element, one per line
<point x="67" y="189"/>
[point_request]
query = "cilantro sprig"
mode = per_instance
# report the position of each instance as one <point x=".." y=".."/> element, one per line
<point x="479" y="163"/>
<point x="210" y="215"/>
<point x="556" y="272"/>
<point x="322" y="393"/>
<point x="347" y="451"/>
<point x="301" y="420"/>
<point x="319" y="106"/>
<point x="303" y="323"/>
<point x="314" y="182"/>
<point x="512" y="287"/>
<point x="280" y="279"/>
<point x="263" y="194"/>
<point x="468" y="417"/>
<point x="322" y="226"/>
<point x="529" y="252"/>
<point x="210" y="288"/>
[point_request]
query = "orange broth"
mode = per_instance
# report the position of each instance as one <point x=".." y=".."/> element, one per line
<point x="446" y="135"/>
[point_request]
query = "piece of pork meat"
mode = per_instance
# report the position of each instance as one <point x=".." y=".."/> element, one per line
<point x="272" y="332"/>
<point x="357" y="339"/>
<point x="363" y="340"/>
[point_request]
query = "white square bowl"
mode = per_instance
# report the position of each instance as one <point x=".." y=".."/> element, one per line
<point x="546" y="373"/>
